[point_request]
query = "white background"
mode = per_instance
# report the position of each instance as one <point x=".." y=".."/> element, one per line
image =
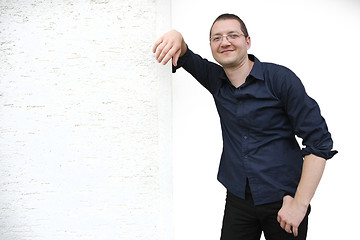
<point x="85" y="131"/>
<point x="318" y="40"/>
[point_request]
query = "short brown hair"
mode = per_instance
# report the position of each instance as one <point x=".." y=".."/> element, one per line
<point x="227" y="16"/>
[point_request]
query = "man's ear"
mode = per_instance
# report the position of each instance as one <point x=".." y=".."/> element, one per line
<point x="248" y="42"/>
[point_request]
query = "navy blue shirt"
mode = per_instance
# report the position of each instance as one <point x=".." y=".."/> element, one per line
<point x="259" y="121"/>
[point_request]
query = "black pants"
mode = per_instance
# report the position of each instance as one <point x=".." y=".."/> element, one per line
<point x="245" y="221"/>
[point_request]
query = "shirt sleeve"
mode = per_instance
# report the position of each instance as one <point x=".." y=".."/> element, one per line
<point x="305" y="117"/>
<point x="204" y="71"/>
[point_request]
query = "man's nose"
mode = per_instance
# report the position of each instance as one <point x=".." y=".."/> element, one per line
<point x="225" y="41"/>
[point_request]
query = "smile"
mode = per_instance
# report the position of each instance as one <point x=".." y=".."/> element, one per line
<point x="227" y="51"/>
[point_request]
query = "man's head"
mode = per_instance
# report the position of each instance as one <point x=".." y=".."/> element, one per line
<point x="229" y="41"/>
<point x="227" y="16"/>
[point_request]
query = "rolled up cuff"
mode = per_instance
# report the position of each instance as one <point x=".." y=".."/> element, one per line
<point x="319" y="152"/>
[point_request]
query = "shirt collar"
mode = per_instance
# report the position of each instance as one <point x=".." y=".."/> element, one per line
<point x="256" y="71"/>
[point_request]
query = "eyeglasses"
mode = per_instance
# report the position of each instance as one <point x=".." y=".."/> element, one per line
<point x="229" y="37"/>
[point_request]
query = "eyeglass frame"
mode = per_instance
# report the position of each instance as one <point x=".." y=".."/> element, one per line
<point x="229" y="37"/>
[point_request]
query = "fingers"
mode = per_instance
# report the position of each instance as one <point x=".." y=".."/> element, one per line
<point x="160" y="52"/>
<point x="166" y="54"/>
<point x="287" y="227"/>
<point x="176" y="58"/>
<point x="168" y="46"/>
<point x="160" y="49"/>
<point x="284" y="225"/>
<point x="290" y="229"/>
<point x="295" y="231"/>
<point x="156" y="44"/>
<point x="284" y="221"/>
<point x="165" y="51"/>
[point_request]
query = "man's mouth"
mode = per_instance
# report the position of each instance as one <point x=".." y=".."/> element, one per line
<point x="227" y="51"/>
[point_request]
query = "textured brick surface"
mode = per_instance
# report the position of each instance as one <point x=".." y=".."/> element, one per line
<point x="83" y="119"/>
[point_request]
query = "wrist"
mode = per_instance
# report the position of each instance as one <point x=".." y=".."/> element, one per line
<point x="301" y="202"/>
<point x="183" y="48"/>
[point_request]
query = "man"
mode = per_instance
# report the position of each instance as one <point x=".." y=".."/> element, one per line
<point x="270" y="181"/>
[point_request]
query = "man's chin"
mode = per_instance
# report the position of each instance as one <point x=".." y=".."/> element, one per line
<point x="227" y="64"/>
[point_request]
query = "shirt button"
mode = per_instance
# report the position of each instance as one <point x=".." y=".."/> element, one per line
<point x="245" y="137"/>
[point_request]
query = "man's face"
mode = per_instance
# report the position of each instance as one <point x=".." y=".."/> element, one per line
<point x="230" y="52"/>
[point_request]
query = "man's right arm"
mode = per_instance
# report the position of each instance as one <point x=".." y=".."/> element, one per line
<point x="170" y="45"/>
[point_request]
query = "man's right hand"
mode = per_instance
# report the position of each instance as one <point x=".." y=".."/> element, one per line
<point x="170" y="45"/>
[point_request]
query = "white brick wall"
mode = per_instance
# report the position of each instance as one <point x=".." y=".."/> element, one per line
<point x="84" y="120"/>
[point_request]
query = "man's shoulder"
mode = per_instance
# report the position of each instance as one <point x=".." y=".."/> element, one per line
<point x="276" y="68"/>
<point x="276" y="72"/>
<point x="269" y="71"/>
<point x="279" y="78"/>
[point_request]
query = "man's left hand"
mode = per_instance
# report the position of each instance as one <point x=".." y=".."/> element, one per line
<point x="291" y="215"/>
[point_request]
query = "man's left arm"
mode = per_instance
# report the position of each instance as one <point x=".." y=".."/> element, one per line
<point x="308" y="124"/>
<point x="294" y="209"/>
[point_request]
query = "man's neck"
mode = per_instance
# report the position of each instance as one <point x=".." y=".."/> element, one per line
<point x="237" y="75"/>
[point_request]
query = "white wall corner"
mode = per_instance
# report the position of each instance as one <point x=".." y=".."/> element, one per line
<point x="163" y="24"/>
